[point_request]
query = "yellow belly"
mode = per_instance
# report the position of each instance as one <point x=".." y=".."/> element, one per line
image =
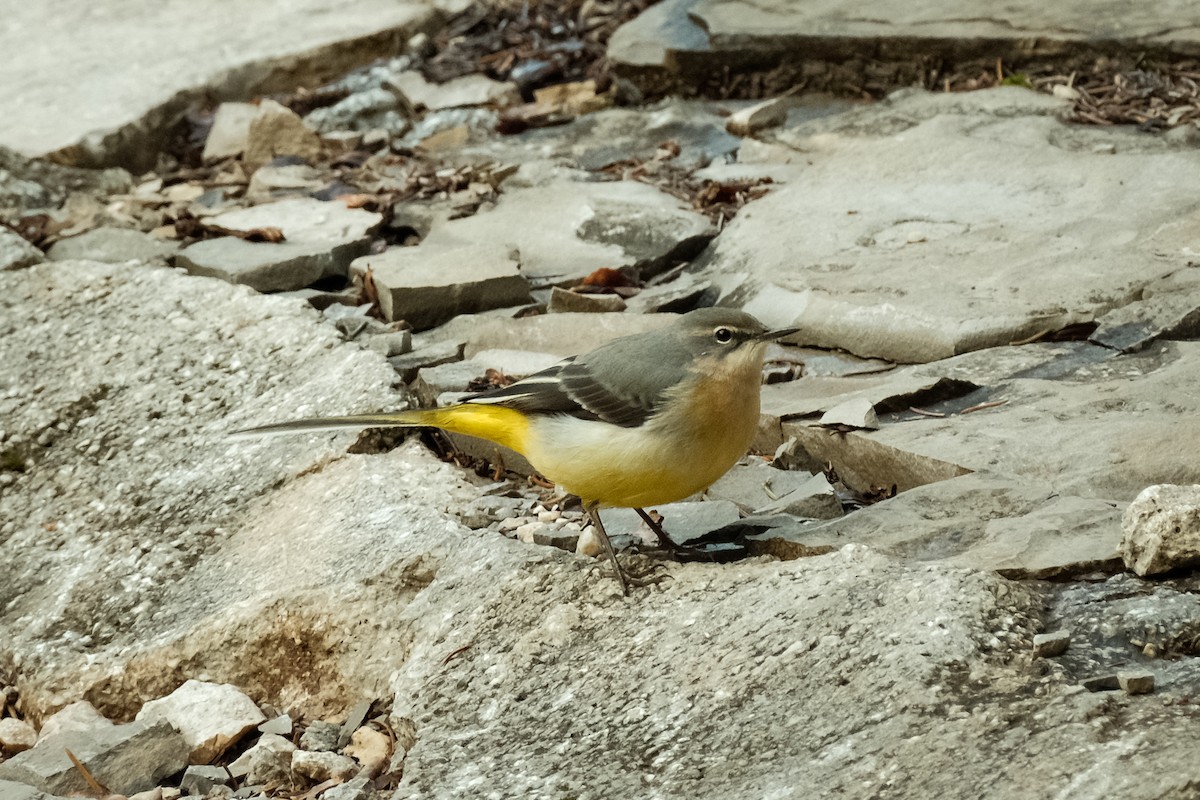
<point x="708" y="424"/>
<point x="671" y="457"/>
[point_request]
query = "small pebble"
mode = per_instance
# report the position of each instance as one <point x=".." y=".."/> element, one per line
<point x="16" y="735"/>
<point x="1136" y="682"/>
<point x="321" y="736"/>
<point x="1049" y="645"/>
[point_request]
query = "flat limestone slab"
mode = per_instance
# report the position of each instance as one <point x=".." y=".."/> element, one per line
<point x="684" y="34"/>
<point x="936" y="224"/>
<point x="94" y="83"/>
<point x="1072" y="20"/>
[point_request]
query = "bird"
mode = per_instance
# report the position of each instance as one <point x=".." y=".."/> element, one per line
<point x="642" y="420"/>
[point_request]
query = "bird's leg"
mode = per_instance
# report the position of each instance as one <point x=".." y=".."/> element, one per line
<point x="593" y="511"/>
<point x="663" y="539"/>
<point x="680" y="551"/>
<point x="623" y="578"/>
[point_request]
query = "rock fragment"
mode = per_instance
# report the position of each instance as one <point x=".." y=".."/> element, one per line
<point x="814" y="499"/>
<point x="321" y="736"/>
<point x="1136" y="682"/>
<point x="1049" y="645"/>
<point x="323" y="766"/>
<point x="270" y="759"/>
<point x="16" y="735"/>
<point x="210" y="716"/>
<point x="278" y="131"/>
<point x="856" y="413"/>
<point x="320" y="240"/>
<point x="760" y="116"/>
<point x="113" y="245"/>
<point x="79" y="716"/>
<point x="426" y="286"/>
<point x="1162" y="529"/>
<point x="280" y="726"/>
<point x="230" y="131"/>
<point x="565" y="300"/>
<point x="199" y="779"/>
<point x="469" y="90"/>
<point x="409" y="364"/>
<point x="16" y="252"/>
<point x="124" y="758"/>
<point x="755" y="485"/>
<point x="354" y="789"/>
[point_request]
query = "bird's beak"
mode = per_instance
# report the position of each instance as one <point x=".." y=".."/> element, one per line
<point x="771" y="336"/>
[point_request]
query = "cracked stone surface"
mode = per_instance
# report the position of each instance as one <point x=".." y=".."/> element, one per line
<point x="932" y="225"/>
<point x="582" y="225"/>
<point x="689" y="37"/>
<point x="92" y="87"/>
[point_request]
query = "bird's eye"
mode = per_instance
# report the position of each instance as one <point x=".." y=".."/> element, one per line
<point x="723" y="335"/>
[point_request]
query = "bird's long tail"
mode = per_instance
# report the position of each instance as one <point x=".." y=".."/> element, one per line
<point x="498" y="424"/>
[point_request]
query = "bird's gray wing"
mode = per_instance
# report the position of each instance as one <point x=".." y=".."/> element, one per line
<point x="610" y="383"/>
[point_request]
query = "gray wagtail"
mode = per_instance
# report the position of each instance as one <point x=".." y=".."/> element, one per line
<point x="643" y="420"/>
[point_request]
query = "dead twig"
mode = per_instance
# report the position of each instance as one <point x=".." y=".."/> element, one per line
<point x="95" y="785"/>
<point x="982" y="406"/>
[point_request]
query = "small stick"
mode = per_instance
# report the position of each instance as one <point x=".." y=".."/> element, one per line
<point x="982" y="406"/>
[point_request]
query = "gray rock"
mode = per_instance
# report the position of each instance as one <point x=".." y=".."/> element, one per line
<point x="562" y="538"/>
<point x="78" y="716"/>
<point x="12" y="790"/>
<point x="814" y="499"/>
<point x="469" y="90"/>
<point x="270" y="759"/>
<point x="918" y="308"/>
<point x="16" y="735"/>
<point x="361" y="111"/>
<point x="582" y="226"/>
<point x="1049" y="645"/>
<point x="601" y="138"/>
<point x="658" y="37"/>
<point x="16" y="252"/>
<point x="230" y="131"/>
<point x="321" y="240"/>
<point x="981" y="521"/>
<point x="280" y="725"/>
<point x="855" y="413"/>
<point x="125" y="758"/>
<point x="560" y="334"/>
<point x="278" y="131"/>
<point x="321" y="736"/>
<point x="682" y="522"/>
<point x="396" y="343"/>
<point x="760" y="116"/>
<point x="353" y="789"/>
<point x="429" y="284"/>
<point x="323" y="766"/>
<point x="1169" y="308"/>
<point x="122" y="111"/>
<point x="287" y="180"/>
<point x="753" y="484"/>
<point x="112" y="244"/>
<point x="199" y="779"/>
<point x="1162" y="529"/>
<point x="563" y="300"/>
<point x="455" y="376"/>
<point x="211" y="716"/>
<point x="680" y="295"/>
<point x="1136" y="682"/>
<point x="428" y="356"/>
